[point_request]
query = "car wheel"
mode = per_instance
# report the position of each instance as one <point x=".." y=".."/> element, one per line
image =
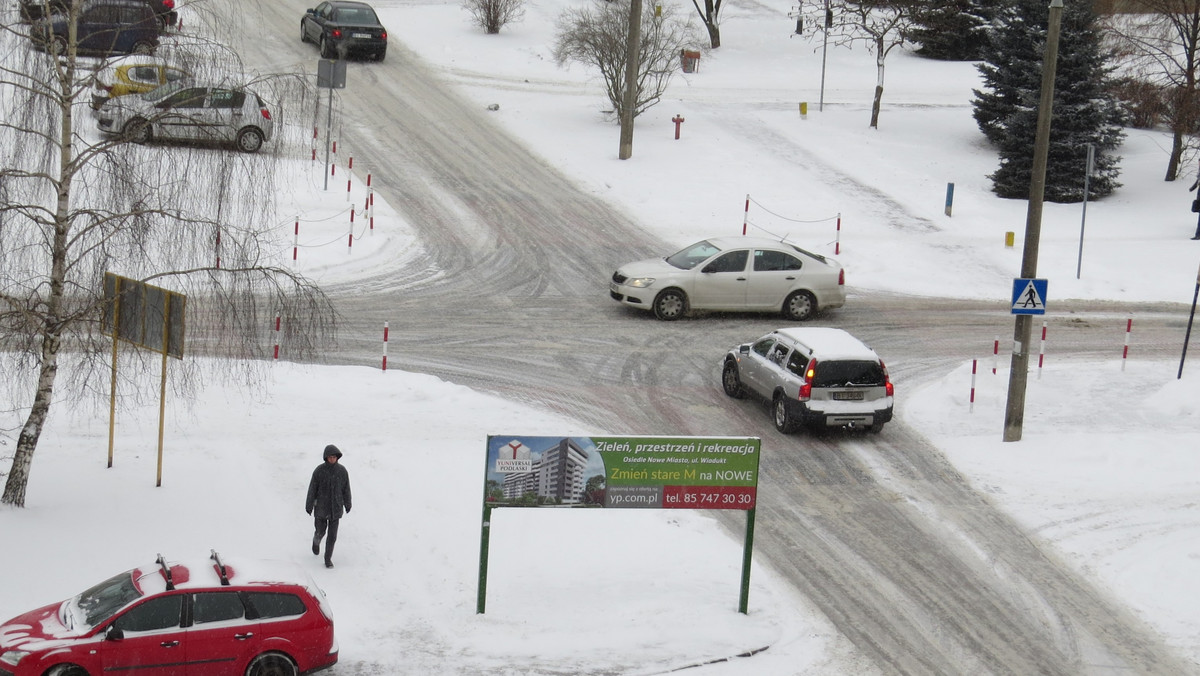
<point x="731" y="382"/>
<point x="271" y="664"/>
<point x="326" y="52"/>
<point x="379" y="55"/>
<point x="303" y="33"/>
<point x="876" y="428"/>
<point x="800" y="306"/>
<point x="136" y="130"/>
<point x="783" y="419"/>
<point x="249" y="140"/>
<point x="142" y="47"/>
<point x="67" y="670"/>
<point x="670" y="305"/>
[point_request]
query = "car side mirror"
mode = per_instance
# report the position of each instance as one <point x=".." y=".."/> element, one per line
<point x="744" y="349"/>
<point x="114" y="633"/>
<point x="310" y="10"/>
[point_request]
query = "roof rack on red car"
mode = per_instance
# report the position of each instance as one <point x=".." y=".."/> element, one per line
<point x="220" y="568"/>
<point x="166" y="571"/>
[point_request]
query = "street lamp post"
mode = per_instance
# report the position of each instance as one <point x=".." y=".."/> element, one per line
<point x="1014" y="410"/>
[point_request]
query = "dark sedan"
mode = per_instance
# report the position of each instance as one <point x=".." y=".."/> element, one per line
<point x="342" y="28"/>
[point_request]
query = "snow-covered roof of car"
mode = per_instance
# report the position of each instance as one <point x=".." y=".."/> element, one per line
<point x="201" y="573"/>
<point x="749" y="241"/>
<point x="829" y="343"/>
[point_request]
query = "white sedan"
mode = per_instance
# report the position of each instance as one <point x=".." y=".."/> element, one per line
<point x="733" y="274"/>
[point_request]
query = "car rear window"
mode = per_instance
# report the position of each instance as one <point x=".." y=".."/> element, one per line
<point x="275" y="604"/>
<point x="848" y="374"/>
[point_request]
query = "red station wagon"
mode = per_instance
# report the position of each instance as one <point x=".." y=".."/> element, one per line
<point x="246" y="619"/>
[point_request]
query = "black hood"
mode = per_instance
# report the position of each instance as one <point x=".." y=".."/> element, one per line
<point x="331" y="450"/>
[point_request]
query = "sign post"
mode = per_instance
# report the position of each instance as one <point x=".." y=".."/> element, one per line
<point x="331" y="75"/>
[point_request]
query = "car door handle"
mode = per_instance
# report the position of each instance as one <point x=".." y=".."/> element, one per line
<point x="243" y="637"/>
<point x="169" y="644"/>
<point x="741" y="279"/>
<point x="790" y="278"/>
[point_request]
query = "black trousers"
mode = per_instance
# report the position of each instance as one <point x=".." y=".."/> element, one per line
<point x="323" y="525"/>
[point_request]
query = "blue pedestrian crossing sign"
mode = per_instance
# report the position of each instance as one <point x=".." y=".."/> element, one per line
<point x="1029" y="297"/>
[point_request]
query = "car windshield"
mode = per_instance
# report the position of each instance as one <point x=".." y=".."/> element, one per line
<point x="163" y="91"/>
<point x="693" y="255"/>
<point x="97" y="604"/>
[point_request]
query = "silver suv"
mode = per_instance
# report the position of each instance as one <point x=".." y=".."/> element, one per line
<point x="814" y="377"/>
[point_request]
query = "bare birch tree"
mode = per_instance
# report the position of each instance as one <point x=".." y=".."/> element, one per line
<point x="199" y="220"/>
<point x="1160" y="47"/>
<point x="880" y="24"/>
<point x="596" y="36"/>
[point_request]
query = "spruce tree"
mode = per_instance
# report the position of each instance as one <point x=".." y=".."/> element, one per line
<point x="1083" y="111"/>
<point x="952" y="30"/>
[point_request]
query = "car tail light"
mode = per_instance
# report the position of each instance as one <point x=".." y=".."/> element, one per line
<point x="336" y="33"/>
<point x="382" y="35"/>
<point x="169" y="4"/>
<point x="806" y="388"/>
<point x="266" y="114"/>
<point x="887" y="381"/>
<point x="842" y="277"/>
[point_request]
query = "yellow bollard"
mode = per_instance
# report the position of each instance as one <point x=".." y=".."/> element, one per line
<point x="804" y="109"/>
<point x="1009" y="238"/>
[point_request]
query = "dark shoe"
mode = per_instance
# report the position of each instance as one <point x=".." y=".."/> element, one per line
<point x="1196" y="237"/>
<point x="316" y="547"/>
<point x="328" y="563"/>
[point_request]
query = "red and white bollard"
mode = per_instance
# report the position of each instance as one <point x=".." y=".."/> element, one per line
<point x="350" y="242"/>
<point x="974" y="363"/>
<point x="296" y="241"/>
<point x="277" y="319"/>
<point x="217" y="247"/>
<point x="746" y="215"/>
<point x="1042" y="350"/>
<point x="385" y="337"/>
<point x="314" y="144"/>
<point x="1125" y="350"/>
<point x="837" y="238"/>
<point x="333" y="164"/>
<point x="995" y="354"/>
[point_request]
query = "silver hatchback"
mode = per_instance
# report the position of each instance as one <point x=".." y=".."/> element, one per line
<point x="814" y="377"/>
<point x="187" y="112"/>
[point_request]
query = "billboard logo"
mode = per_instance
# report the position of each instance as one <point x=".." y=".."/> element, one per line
<point x="513" y="457"/>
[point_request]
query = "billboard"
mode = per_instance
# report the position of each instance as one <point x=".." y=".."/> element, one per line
<point x="648" y="472"/>
<point x="145" y="315"/>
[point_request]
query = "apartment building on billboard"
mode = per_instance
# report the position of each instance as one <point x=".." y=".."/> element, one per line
<point x="558" y="474"/>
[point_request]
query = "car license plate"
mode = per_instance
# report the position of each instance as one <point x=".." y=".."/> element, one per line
<point x="848" y="396"/>
<point x="361" y="36"/>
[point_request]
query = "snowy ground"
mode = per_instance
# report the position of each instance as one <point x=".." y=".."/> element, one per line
<point x="644" y="592"/>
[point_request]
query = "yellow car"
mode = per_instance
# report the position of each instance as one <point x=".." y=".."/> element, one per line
<point x="133" y="74"/>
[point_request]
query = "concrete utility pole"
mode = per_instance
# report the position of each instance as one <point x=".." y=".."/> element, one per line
<point x="1018" y="377"/>
<point x="632" y="50"/>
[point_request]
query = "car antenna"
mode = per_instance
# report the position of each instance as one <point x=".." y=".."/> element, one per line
<point x="220" y="568"/>
<point x="166" y="571"/>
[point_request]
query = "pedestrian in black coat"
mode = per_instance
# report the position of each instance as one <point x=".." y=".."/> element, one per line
<point x="328" y="495"/>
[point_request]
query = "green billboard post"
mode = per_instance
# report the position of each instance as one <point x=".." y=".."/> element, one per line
<point x="642" y="472"/>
